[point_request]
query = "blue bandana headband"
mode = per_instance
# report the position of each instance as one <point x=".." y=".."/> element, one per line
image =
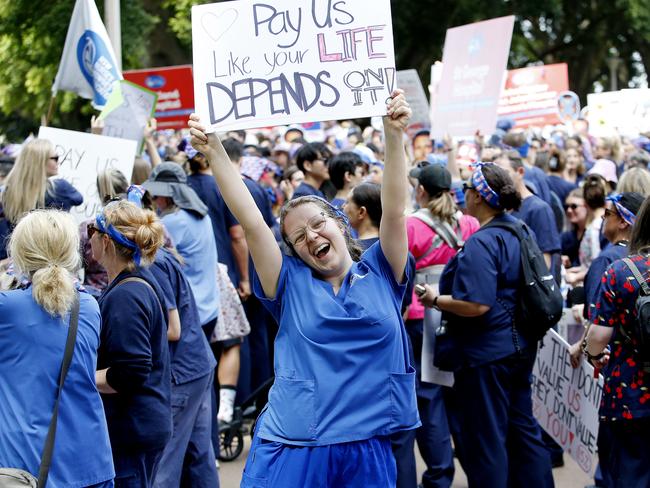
<point x="480" y="184"/>
<point x="134" y="194"/>
<point x="118" y="237"/>
<point x="625" y="214"/>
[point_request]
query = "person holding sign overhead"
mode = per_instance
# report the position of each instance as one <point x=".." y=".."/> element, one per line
<point x="343" y="382"/>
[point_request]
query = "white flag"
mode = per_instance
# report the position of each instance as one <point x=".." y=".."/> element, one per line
<point x="88" y="65"/>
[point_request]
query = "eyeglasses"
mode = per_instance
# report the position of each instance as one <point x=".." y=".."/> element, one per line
<point x="55" y="158"/>
<point x="91" y="229"/>
<point x="467" y="186"/>
<point x="572" y="206"/>
<point x="315" y="224"/>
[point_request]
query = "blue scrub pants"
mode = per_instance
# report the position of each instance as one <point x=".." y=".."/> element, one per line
<point x="135" y="469"/>
<point x="624" y="453"/>
<point x="501" y="440"/>
<point x="368" y="464"/>
<point x="189" y="454"/>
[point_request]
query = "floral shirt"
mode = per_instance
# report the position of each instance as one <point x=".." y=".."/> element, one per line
<point x="626" y="394"/>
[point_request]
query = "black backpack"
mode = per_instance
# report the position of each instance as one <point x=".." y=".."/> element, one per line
<point x="643" y="316"/>
<point x="540" y="299"/>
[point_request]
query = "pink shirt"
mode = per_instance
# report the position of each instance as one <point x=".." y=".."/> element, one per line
<point x="420" y="236"/>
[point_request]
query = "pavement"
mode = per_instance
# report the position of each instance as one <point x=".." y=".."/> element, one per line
<point x="569" y="476"/>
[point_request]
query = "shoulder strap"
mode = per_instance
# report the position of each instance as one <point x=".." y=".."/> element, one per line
<point x="141" y="280"/>
<point x="638" y="276"/>
<point x="46" y="458"/>
<point x="442" y="229"/>
<point x="515" y="228"/>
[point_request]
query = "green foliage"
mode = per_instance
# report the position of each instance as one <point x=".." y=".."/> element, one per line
<point x="32" y="35"/>
<point x="180" y="22"/>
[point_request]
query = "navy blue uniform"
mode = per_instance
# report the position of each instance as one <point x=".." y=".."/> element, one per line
<point x="560" y="186"/>
<point x="305" y="189"/>
<point x="500" y="441"/>
<point x="134" y="349"/>
<point x="62" y="196"/>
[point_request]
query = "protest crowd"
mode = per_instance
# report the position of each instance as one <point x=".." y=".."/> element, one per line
<point x="337" y="292"/>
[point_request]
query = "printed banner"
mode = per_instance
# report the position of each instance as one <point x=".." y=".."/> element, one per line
<point x="87" y="65"/>
<point x="474" y="60"/>
<point x="83" y="156"/>
<point x="409" y="81"/>
<point x="291" y="61"/>
<point x="127" y="112"/>
<point x="566" y="400"/>
<point x="530" y="95"/>
<point x="174" y="86"/>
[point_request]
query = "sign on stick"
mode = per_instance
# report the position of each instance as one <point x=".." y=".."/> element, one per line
<point x="83" y="156"/>
<point x="284" y="62"/>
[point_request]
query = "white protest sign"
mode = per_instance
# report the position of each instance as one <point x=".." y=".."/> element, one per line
<point x="566" y="400"/>
<point x="259" y="64"/>
<point x="127" y="111"/>
<point x="606" y="113"/>
<point x="409" y="81"/>
<point x="83" y="156"/>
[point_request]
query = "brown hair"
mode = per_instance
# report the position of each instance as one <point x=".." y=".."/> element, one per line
<point x="139" y="226"/>
<point x="501" y="183"/>
<point x="353" y="248"/>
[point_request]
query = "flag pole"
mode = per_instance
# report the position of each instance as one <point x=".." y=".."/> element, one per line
<point x="50" y="110"/>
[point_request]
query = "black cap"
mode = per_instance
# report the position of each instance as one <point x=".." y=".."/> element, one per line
<point x="434" y="178"/>
<point x="632" y="201"/>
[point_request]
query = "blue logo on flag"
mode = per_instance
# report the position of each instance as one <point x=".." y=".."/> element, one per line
<point x="96" y="64"/>
<point x="155" y="81"/>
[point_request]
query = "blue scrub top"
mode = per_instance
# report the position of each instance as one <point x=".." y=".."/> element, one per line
<point x="537" y="215"/>
<point x="342" y="369"/>
<point x="305" y="189"/>
<point x="539" y="179"/>
<point x="134" y="348"/>
<point x="486" y="271"/>
<point x="596" y="271"/>
<point x="31" y="352"/>
<point x="560" y="186"/>
<point x="222" y="220"/>
<point x="194" y="240"/>
<point x="191" y="357"/>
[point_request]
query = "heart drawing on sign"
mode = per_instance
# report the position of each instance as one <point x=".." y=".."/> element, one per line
<point x="216" y="25"/>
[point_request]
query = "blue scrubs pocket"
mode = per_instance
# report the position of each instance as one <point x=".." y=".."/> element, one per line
<point x="404" y="408"/>
<point x="292" y="409"/>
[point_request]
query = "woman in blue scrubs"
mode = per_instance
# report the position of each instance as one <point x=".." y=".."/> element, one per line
<point x="343" y="382"/>
<point x="34" y="323"/>
<point x="133" y="359"/>
<point x="500" y="441"/>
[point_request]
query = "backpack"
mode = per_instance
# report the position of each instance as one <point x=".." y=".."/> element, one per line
<point x="642" y="307"/>
<point x="540" y="299"/>
<point x="444" y="232"/>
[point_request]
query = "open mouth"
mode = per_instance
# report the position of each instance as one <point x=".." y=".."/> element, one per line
<point x="321" y="251"/>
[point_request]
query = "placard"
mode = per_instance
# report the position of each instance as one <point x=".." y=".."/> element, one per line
<point x="83" y="156"/>
<point x="174" y="86"/>
<point x="127" y="112"/>
<point x="409" y="81"/>
<point x="530" y="95"/>
<point x="291" y="61"/>
<point x="474" y="60"/>
<point x="566" y="400"/>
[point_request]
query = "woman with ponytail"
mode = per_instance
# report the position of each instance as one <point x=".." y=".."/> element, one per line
<point x="34" y="323"/>
<point x="499" y="441"/>
<point x="133" y="362"/>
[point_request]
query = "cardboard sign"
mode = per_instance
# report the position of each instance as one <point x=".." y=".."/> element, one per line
<point x="291" y="61"/>
<point x="566" y="400"/>
<point x="409" y="81"/>
<point x="174" y="86"/>
<point x="474" y="60"/>
<point x="127" y="112"/>
<point x="530" y="95"/>
<point x="83" y="156"/>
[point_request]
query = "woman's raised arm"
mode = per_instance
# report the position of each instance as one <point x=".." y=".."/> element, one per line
<point x="261" y="242"/>
<point x="392" y="230"/>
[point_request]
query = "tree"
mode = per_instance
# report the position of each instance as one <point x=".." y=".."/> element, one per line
<point x="32" y="35"/>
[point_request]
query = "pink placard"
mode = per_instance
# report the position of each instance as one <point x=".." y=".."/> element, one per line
<point x="474" y="61"/>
